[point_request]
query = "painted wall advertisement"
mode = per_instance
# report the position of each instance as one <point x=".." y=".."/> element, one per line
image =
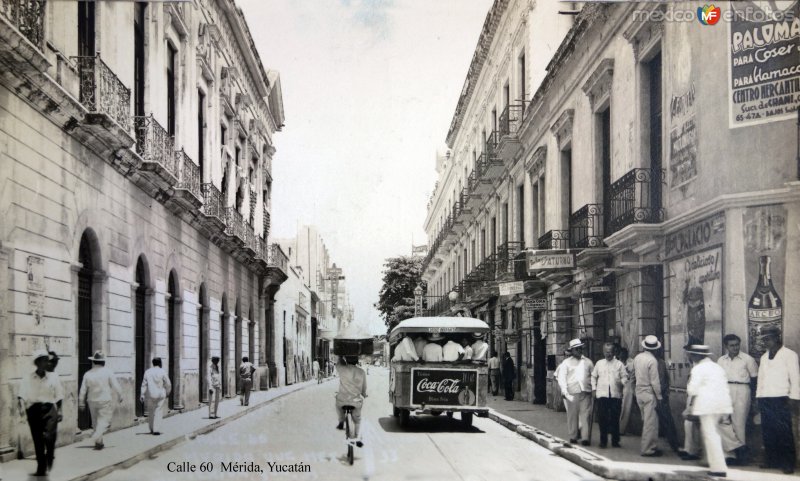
<point x="695" y="284"/>
<point x="765" y="253"/>
<point x="764" y="61"/>
<point x="682" y="138"/>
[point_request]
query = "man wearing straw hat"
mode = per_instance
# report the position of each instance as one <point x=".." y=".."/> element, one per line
<point x="40" y="395"/>
<point x="433" y="350"/>
<point x="97" y="390"/>
<point x="574" y="379"/>
<point x="648" y="394"/>
<point x="710" y="401"/>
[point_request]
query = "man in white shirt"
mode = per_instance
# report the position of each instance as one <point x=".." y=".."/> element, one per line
<point x="156" y="386"/>
<point x="494" y="373"/>
<point x="405" y="351"/>
<point x="648" y="394"/>
<point x="710" y="401"/>
<point x="479" y="348"/>
<point x="98" y="387"/>
<point x="433" y="351"/>
<point x="39" y="398"/>
<point x="246" y="370"/>
<point x="352" y="391"/>
<point x="608" y="379"/>
<point x="452" y="351"/>
<point x="778" y="388"/>
<point x="574" y="379"/>
<point x="419" y="345"/>
<point x="742" y="373"/>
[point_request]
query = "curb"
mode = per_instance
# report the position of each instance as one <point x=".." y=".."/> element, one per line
<point x="588" y="460"/>
<point x="150" y="452"/>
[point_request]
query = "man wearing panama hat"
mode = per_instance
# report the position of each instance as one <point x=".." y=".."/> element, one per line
<point x="98" y="388"/>
<point x="40" y="395"/>
<point x="432" y="352"/>
<point x="648" y="394"/>
<point x="574" y="379"/>
<point x="479" y="347"/>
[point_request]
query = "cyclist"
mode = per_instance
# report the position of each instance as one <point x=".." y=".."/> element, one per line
<point x="352" y="391"/>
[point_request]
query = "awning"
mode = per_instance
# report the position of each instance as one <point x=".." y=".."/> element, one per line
<point x="326" y="333"/>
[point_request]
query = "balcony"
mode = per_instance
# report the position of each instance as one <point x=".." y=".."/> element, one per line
<point x="510" y="122"/>
<point x="505" y="258"/>
<point x="474" y="198"/>
<point x="188" y="194"/>
<point x="266" y="223"/>
<point x="636" y="199"/>
<point x="226" y="91"/>
<point x="107" y="100"/>
<point x="277" y="264"/>
<point x="554" y="239"/>
<point x="22" y="34"/>
<point x="490" y="161"/>
<point x="586" y="227"/>
<point x="156" y="149"/>
<point x="249" y="240"/>
<point x="213" y="210"/>
<point x="234" y="226"/>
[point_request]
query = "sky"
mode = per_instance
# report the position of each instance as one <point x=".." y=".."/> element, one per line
<point x="369" y="90"/>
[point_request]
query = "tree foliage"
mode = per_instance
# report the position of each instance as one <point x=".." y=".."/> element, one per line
<point x="396" y="299"/>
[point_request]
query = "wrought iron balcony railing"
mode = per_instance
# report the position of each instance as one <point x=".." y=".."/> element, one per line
<point x="586" y="226"/>
<point x="27" y="16"/>
<point x="249" y="237"/>
<point x="212" y="201"/>
<point x="554" y="239"/>
<point x="276" y="258"/>
<point x="259" y="245"/>
<point x="266" y="223"/>
<point x="102" y="92"/>
<point x="188" y="174"/>
<point x="234" y="223"/>
<point x="505" y="256"/>
<point x="511" y="119"/>
<point x="636" y="198"/>
<point x="154" y="144"/>
<point x="491" y="145"/>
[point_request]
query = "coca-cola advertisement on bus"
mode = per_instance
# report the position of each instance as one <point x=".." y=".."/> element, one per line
<point x="444" y="387"/>
<point x="765" y="253"/>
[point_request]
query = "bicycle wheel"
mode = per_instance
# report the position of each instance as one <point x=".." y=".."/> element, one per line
<point x="349" y="444"/>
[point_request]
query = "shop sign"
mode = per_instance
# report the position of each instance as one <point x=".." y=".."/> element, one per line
<point x="599" y="289"/>
<point x="547" y="261"/>
<point x="444" y="387"/>
<point x="696" y="237"/>
<point x="536" y="304"/>
<point x="511" y="288"/>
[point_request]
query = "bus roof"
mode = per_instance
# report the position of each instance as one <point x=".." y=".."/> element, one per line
<point x="431" y="325"/>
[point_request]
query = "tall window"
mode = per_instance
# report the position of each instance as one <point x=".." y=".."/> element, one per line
<point x="138" y="56"/>
<point x="483" y="244"/>
<point x="494" y="120"/>
<point x="86" y="28"/>
<point x="521" y="213"/>
<point x="172" y="55"/>
<point x="506" y="223"/>
<point x="201" y="130"/>
<point x="535" y="209"/>
<point x="494" y="234"/>
<point x="223" y="134"/>
<point x="522" y="74"/>
<point x="506" y="95"/>
<point x="605" y="153"/>
<point x="566" y="186"/>
<point x="654" y="74"/>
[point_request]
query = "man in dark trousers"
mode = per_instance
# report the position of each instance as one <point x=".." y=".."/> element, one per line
<point x="777" y="394"/>
<point x="509" y="371"/>
<point x="39" y="400"/>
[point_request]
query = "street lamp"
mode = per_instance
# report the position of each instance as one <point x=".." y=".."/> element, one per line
<point x="418" y="300"/>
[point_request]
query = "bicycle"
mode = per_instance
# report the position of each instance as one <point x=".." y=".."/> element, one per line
<point x="348" y="415"/>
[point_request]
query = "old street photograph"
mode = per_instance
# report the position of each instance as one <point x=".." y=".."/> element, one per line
<point x="500" y="240"/>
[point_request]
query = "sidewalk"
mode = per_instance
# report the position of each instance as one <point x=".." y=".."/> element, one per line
<point x="126" y="447"/>
<point x="549" y="429"/>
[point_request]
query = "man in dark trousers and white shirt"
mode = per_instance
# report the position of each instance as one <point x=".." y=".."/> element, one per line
<point x="608" y="378"/>
<point x="777" y="394"/>
<point x="40" y="396"/>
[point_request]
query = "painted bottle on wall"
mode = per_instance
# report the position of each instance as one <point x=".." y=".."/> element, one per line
<point x="764" y="309"/>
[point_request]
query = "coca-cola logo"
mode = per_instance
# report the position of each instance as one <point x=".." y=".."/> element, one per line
<point x="443" y="386"/>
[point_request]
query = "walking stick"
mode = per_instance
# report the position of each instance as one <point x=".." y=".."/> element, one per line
<point x="591" y="419"/>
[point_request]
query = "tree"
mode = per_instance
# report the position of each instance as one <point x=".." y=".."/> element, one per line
<point x="396" y="299"/>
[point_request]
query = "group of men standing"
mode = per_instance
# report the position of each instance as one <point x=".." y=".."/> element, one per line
<point x="720" y="396"/>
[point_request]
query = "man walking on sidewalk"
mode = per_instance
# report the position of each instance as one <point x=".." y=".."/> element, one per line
<point x="608" y="378"/>
<point x="155" y="389"/>
<point x="98" y="389"/>
<point x="777" y="394"/>
<point x="39" y="400"/>
<point x="742" y="373"/>
<point x="709" y="399"/>
<point x="648" y="394"/>
<point x="574" y="379"/>
<point x="246" y="370"/>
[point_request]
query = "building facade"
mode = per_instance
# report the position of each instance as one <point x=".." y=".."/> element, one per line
<point x="644" y="187"/>
<point x="137" y="142"/>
